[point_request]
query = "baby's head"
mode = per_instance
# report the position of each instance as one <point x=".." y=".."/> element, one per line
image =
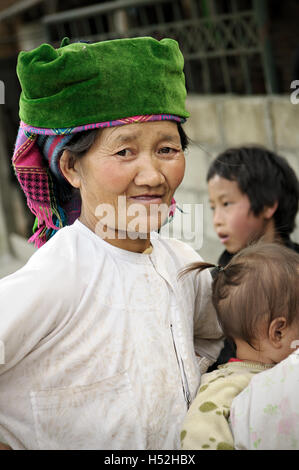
<point x="253" y="193"/>
<point x="257" y="302"/>
<point x="256" y="298"/>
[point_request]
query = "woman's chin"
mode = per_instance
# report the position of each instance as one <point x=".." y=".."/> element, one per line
<point x="132" y="230"/>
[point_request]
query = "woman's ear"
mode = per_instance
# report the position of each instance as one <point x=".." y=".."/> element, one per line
<point x="269" y="211"/>
<point x="276" y="332"/>
<point x="69" y="169"/>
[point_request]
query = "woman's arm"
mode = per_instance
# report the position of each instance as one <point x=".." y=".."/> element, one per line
<point x="208" y="336"/>
<point x="33" y="301"/>
<point x="25" y="315"/>
<point x="33" y="304"/>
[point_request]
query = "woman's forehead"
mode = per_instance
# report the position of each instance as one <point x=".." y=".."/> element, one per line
<point x="160" y="129"/>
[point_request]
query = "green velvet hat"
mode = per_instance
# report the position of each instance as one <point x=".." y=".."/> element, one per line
<point x="82" y="83"/>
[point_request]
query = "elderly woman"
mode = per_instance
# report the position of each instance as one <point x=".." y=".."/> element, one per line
<point x="103" y="344"/>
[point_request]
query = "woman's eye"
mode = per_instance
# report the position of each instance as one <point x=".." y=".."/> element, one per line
<point x="167" y="150"/>
<point x="226" y="204"/>
<point x="123" y="153"/>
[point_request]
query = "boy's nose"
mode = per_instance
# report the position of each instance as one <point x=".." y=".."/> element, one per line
<point x="217" y="217"/>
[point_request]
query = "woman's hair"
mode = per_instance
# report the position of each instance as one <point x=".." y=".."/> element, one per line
<point x="80" y="144"/>
<point x="259" y="284"/>
<point x="265" y="178"/>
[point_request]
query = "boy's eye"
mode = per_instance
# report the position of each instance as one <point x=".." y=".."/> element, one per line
<point x="226" y="203"/>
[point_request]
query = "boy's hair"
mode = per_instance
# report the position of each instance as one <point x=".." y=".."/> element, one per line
<point x="259" y="284"/>
<point x="265" y="178"/>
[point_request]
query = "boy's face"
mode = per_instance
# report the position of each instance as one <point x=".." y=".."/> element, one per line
<point x="234" y="222"/>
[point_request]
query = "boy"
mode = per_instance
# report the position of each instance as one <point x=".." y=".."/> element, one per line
<point x="254" y="194"/>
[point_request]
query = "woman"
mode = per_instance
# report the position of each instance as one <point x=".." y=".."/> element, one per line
<point x="99" y="335"/>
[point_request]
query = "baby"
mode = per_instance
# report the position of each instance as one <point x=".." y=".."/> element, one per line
<point x="256" y="297"/>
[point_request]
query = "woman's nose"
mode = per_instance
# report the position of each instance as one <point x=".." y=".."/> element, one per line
<point x="149" y="174"/>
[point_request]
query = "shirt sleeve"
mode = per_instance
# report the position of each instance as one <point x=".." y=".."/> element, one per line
<point x="265" y="416"/>
<point x="32" y="305"/>
<point x="206" y="426"/>
<point x="208" y="336"/>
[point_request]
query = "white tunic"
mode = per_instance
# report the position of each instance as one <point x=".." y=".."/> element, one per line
<point x="99" y="350"/>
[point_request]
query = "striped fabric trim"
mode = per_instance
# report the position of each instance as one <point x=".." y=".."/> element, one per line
<point x="119" y="122"/>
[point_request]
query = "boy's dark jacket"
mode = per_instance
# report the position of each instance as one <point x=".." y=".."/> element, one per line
<point x="225" y="257"/>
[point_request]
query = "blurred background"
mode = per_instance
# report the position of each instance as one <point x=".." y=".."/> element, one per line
<point x="241" y="57"/>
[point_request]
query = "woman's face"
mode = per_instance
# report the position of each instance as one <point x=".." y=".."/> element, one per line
<point x="129" y="171"/>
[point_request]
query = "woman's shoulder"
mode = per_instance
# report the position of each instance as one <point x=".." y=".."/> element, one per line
<point x="182" y="256"/>
<point x="57" y="250"/>
<point x="69" y="245"/>
<point x="179" y="248"/>
<point x="54" y="266"/>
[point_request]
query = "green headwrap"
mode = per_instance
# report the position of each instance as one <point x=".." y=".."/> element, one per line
<point x="81" y="83"/>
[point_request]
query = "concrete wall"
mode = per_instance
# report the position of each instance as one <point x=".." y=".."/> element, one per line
<point x="219" y="122"/>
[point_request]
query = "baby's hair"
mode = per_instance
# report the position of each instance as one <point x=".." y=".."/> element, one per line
<point x="265" y="178"/>
<point x="259" y="284"/>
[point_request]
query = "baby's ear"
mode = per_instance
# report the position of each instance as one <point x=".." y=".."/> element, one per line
<point x="277" y="331"/>
<point x="269" y="211"/>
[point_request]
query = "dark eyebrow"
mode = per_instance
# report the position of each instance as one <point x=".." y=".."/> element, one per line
<point x="123" y="138"/>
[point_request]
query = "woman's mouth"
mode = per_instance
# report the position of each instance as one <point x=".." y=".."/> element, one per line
<point x="148" y="198"/>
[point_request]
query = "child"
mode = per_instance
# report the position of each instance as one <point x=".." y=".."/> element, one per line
<point x="254" y="194"/>
<point x="256" y="297"/>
